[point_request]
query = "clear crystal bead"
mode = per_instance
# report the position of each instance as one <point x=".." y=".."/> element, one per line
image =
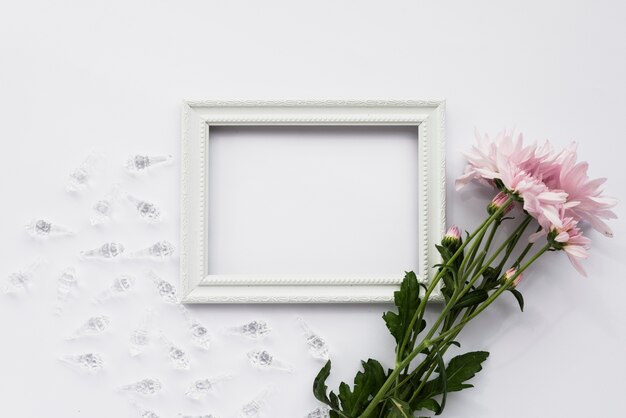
<point x="317" y="345"/>
<point x="121" y="286"/>
<point x="103" y="208"/>
<point x="166" y="290"/>
<point x="139" y="163"/>
<point x="146" y="210"/>
<point x="89" y="362"/>
<point x="264" y="360"/>
<point x="158" y="250"/>
<point x="254" y="408"/>
<point x="21" y="280"/>
<point x="253" y="329"/>
<point x="179" y="359"/>
<point x="139" y="339"/>
<point x="202" y="387"/>
<point x="199" y="333"/>
<point x="107" y="251"/>
<point x="195" y="416"/>
<point x="145" y="387"/>
<point x="79" y="178"/>
<point x="319" y="412"/>
<point x="95" y="325"/>
<point x="40" y="228"/>
<point x="66" y="287"/>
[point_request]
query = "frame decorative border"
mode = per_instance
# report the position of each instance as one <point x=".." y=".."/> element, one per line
<point x="198" y="117"/>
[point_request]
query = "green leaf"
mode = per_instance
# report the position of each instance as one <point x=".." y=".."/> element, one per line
<point x="366" y="385"/>
<point x="407" y="299"/>
<point x="472" y="298"/>
<point x="399" y="409"/>
<point x="519" y="297"/>
<point x="430" y="404"/>
<point x="320" y="388"/>
<point x="443" y="378"/>
<point x="462" y="368"/>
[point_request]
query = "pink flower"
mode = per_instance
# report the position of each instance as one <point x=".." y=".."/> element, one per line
<point x="453" y="233"/>
<point x="497" y="202"/>
<point x="570" y="239"/>
<point x="585" y="200"/>
<point x="510" y="273"/>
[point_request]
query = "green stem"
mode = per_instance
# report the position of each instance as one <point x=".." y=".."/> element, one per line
<point x="420" y="310"/>
<point x="495" y="294"/>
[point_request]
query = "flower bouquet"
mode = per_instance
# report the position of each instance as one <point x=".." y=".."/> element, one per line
<point x="535" y="187"/>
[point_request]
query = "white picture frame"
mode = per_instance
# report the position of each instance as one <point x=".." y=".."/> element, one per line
<point x="196" y="286"/>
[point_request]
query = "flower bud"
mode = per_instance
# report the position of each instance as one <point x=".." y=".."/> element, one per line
<point x="497" y="202"/>
<point x="452" y="239"/>
<point x="510" y="273"/>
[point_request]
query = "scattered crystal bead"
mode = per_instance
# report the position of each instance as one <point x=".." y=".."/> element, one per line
<point x="253" y="409"/>
<point x="139" y="163"/>
<point x="80" y="177"/>
<point x="195" y="416"/>
<point x="317" y="346"/>
<point x="103" y="208"/>
<point x="107" y="251"/>
<point x="40" y="228"/>
<point x="146" y="210"/>
<point x="89" y="362"/>
<point x="122" y="285"/>
<point x="159" y="250"/>
<point x="139" y="339"/>
<point x="22" y="279"/>
<point x="264" y="360"/>
<point x="253" y="329"/>
<point x="67" y="286"/>
<point x="166" y="290"/>
<point x="202" y="387"/>
<point x="199" y="333"/>
<point x="178" y="358"/>
<point x="95" y="325"/>
<point x="145" y="387"/>
<point x="319" y="412"/>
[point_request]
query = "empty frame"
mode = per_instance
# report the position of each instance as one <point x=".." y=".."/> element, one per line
<point x="317" y="201"/>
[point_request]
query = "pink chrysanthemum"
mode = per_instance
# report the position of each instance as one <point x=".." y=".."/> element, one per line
<point x="585" y="200"/>
<point x="570" y="239"/>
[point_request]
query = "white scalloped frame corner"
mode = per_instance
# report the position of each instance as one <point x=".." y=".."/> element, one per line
<point x="197" y="286"/>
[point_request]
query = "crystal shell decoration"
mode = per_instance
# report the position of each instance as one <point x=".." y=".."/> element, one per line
<point x="317" y="346"/>
<point x="166" y="290"/>
<point x="41" y="228"/>
<point x="21" y="280"/>
<point x="195" y="416"/>
<point x="140" y="337"/>
<point x="319" y="412"/>
<point x="202" y="387"/>
<point x="179" y="359"/>
<point x="140" y="163"/>
<point x="122" y="286"/>
<point x="159" y="250"/>
<point x="254" y="408"/>
<point x="67" y="286"/>
<point x="253" y="329"/>
<point x="81" y="176"/>
<point x="262" y="359"/>
<point x="95" y="325"/>
<point x="148" y="211"/>
<point x="107" y="251"/>
<point x="103" y="208"/>
<point x="199" y="333"/>
<point x="89" y="362"/>
<point x="145" y="387"/>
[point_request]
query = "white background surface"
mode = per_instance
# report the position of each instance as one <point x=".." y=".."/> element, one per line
<point x="110" y="76"/>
